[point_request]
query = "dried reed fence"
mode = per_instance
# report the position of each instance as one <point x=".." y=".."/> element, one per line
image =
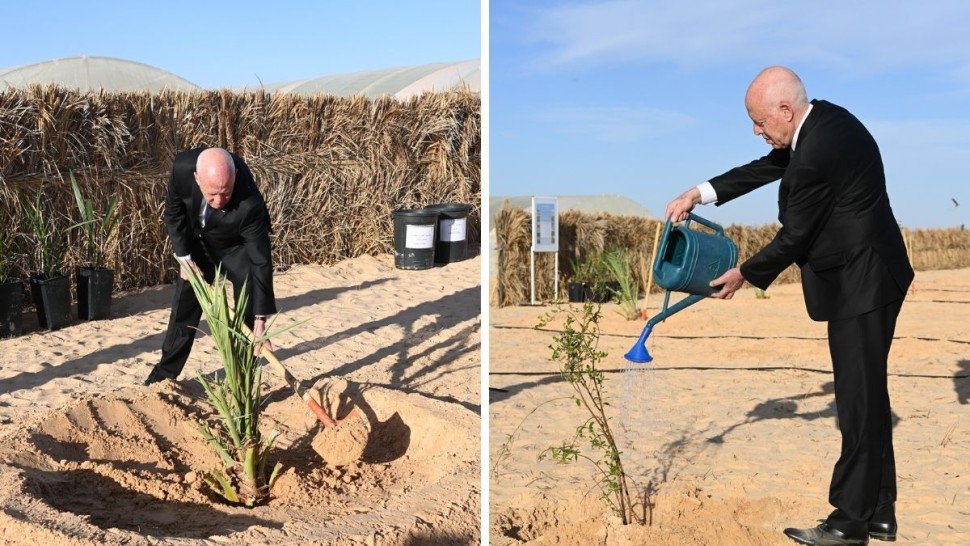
<point x="588" y="235"/>
<point x="331" y="169"/>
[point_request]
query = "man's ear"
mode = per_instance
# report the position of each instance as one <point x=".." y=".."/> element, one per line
<point x="787" y="112"/>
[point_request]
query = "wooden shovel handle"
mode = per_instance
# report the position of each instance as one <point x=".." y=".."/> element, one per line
<point x="320" y="413"/>
<point x="278" y="366"/>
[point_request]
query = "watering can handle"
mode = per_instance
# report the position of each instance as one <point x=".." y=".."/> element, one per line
<point x="662" y="250"/>
<point x="717" y="228"/>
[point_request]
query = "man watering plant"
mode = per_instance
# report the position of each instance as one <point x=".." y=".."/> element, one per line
<point x="838" y="226"/>
<point x="215" y="216"/>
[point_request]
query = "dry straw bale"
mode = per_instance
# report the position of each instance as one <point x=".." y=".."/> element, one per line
<point x="931" y="249"/>
<point x="332" y="169"/>
<point x="587" y="235"/>
<point x="513" y="230"/>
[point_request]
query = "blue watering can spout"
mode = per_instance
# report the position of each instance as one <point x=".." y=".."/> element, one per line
<point x="686" y="261"/>
<point x="639" y="352"/>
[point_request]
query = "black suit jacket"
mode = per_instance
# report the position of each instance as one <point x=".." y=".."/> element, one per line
<point x="836" y="221"/>
<point x="237" y="236"/>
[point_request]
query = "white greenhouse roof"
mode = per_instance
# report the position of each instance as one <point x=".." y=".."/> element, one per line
<point x="111" y="74"/>
<point x="400" y="83"/>
<point x="94" y="73"/>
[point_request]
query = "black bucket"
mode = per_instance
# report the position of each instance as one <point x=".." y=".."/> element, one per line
<point x="11" y="308"/>
<point x="414" y="238"/>
<point x="451" y="242"/>
<point x="94" y="287"/>
<point x="52" y="296"/>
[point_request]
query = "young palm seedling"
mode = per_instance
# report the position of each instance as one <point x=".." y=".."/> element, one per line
<point x="49" y="241"/>
<point x="617" y="262"/>
<point x="94" y="279"/>
<point x="236" y="396"/>
<point x="98" y="225"/>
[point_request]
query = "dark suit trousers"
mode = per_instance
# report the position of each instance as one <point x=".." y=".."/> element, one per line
<point x="184" y="321"/>
<point x="864" y="478"/>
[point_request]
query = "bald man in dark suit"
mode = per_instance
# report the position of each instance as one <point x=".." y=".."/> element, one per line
<point x="838" y="227"/>
<point x="215" y="216"/>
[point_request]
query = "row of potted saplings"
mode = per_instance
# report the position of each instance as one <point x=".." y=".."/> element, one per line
<point x="597" y="277"/>
<point x="50" y="287"/>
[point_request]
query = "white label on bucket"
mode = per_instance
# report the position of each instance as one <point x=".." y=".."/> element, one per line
<point x="418" y="236"/>
<point x="452" y="229"/>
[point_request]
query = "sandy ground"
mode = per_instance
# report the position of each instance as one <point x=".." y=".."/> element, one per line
<point x="90" y="456"/>
<point x="731" y="430"/>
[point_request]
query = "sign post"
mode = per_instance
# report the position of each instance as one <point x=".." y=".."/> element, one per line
<point x="545" y="238"/>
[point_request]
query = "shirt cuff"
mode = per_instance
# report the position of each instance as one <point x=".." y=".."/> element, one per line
<point x="708" y="195"/>
<point x="186" y="258"/>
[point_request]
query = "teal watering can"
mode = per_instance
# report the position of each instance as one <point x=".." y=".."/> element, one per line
<point x="687" y="261"/>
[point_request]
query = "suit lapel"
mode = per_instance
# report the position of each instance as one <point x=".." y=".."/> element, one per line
<point x="196" y="204"/>
<point x="818" y="110"/>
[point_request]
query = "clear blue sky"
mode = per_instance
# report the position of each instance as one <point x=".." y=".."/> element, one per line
<point x="646" y="98"/>
<point x="276" y="41"/>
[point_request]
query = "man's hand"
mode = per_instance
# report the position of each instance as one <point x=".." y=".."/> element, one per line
<point x="729" y="282"/>
<point x="259" y="328"/>
<point x="678" y="208"/>
<point x="191" y="265"/>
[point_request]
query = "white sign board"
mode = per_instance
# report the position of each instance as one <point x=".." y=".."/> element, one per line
<point x="545" y="224"/>
<point x="545" y="238"/>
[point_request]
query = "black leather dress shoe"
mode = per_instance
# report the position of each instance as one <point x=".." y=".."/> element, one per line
<point x="883" y="530"/>
<point x="882" y="526"/>
<point x="823" y="535"/>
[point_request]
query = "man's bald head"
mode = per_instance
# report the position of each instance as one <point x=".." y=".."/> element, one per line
<point x="215" y="173"/>
<point x="777" y="84"/>
<point x="776" y="102"/>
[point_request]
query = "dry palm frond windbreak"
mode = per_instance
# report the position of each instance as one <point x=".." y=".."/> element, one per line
<point x="331" y="169"/>
<point x="585" y="237"/>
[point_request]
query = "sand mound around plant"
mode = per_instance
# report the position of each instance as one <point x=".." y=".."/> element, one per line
<point x="678" y="516"/>
<point x="127" y="471"/>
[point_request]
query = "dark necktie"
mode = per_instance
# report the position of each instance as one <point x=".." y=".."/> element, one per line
<point x="206" y="212"/>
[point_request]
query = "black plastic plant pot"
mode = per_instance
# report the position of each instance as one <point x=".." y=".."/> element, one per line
<point x="451" y="235"/>
<point x="414" y="238"/>
<point x="94" y="287"/>
<point x="577" y="292"/>
<point x="52" y="296"/>
<point x="11" y="308"/>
